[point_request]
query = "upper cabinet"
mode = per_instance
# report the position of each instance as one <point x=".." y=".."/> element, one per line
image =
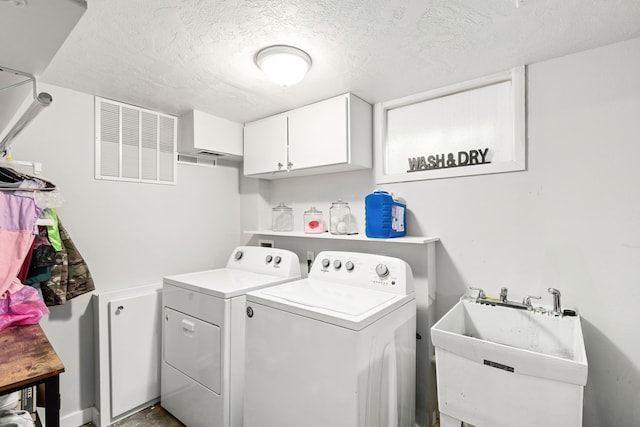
<point x="201" y="134"/>
<point x="265" y="145"/>
<point x="334" y="135"/>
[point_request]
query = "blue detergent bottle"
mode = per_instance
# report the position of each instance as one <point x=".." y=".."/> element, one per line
<point x="384" y="216"/>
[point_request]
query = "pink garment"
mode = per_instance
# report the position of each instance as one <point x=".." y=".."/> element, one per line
<point x="18" y="216"/>
<point x="24" y="270"/>
<point x="24" y="307"/>
<point x="18" y="213"/>
<point x="14" y="246"/>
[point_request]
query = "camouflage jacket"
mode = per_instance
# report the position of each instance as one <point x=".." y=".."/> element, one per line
<point x="70" y="275"/>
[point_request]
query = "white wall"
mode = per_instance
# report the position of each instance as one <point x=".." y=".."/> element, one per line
<point x="571" y="221"/>
<point x="130" y="234"/>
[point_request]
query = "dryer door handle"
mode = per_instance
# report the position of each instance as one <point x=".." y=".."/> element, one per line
<point x="188" y="326"/>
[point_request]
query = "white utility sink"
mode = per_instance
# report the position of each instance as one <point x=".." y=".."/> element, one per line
<point x="502" y="366"/>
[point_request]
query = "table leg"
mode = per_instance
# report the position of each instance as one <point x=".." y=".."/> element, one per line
<point x="52" y="398"/>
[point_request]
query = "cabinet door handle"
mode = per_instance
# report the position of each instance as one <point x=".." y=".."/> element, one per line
<point x="279" y="166"/>
<point x="289" y="165"/>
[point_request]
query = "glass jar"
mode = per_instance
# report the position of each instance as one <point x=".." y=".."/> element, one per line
<point x="340" y="217"/>
<point x="282" y="218"/>
<point x="313" y="221"/>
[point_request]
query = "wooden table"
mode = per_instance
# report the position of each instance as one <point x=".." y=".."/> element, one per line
<point x="27" y="359"/>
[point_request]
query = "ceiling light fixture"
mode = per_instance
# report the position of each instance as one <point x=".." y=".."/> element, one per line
<point x="285" y="65"/>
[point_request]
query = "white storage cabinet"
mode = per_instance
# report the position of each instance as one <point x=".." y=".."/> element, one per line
<point x="329" y="136"/>
<point x="201" y="134"/>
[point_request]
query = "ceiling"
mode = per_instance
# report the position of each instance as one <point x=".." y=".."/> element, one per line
<point x="177" y="55"/>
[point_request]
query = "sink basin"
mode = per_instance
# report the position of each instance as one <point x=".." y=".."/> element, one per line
<point x="505" y="366"/>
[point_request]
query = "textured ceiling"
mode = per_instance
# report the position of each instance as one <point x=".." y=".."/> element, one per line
<point x="177" y="55"/>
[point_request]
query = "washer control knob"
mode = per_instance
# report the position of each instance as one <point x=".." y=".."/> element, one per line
<point x="268" y="259"/>
<point x="238" y="255"/>
<point x="277" y="260"/>
<point x="349" y="266"/>
<point x="325" y="263"/>
<point x="337" y="264"/>
<point x="382" y="270"/>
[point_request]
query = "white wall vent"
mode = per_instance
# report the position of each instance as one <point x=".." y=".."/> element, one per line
<point x="134" y="144"/>
<point x="187" y="159"/>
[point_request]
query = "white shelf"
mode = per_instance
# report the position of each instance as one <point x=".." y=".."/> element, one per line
<point x="416" y="240"/>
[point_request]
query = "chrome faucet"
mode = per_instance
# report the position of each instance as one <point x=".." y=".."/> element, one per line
<point x="557" y="308"/>
<point x="482" y="298"/>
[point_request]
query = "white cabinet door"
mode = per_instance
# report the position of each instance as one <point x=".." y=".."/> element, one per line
<point x="134" y="345"/>
<point x="265" y="145"/>
<point x="318" y="134"/>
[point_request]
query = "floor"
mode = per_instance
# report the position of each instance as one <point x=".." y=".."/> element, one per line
<point x="153" y="416"/>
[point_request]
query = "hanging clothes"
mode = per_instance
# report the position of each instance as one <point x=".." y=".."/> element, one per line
<point x="24" y="270"/>
<point x="51" y="262"/>
<point x="70" y="276"/>
<point x="19" y="304"/>
<point x="18" y="216"/>
<point x="54" y="233"/>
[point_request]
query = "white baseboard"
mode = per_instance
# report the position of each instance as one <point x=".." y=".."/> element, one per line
<point x="72" y="420"/>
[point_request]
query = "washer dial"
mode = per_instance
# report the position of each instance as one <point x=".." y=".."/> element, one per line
<point x="382" y="270"/>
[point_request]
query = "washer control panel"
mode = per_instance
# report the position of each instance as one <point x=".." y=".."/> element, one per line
<point x="364" y="270"/>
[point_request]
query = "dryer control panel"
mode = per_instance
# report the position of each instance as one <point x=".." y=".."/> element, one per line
<point x="364" y="270"/>
<point x="271" y="261"/>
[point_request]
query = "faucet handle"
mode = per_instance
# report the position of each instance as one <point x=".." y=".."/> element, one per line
<point x="527" y="301"/>
<point x="503" y="294"/>
<point x="481" y="293"/>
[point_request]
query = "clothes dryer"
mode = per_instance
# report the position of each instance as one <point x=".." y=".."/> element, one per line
<point x="335" y="349"/>
<point x="203" y="329"/>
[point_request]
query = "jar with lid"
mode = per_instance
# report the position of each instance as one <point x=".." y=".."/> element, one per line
<point x="282" y="218"/>
<point x="340" y="217"/>
<point x="313" y="221"/>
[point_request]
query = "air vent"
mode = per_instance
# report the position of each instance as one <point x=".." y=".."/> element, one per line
<point x="186" y="159"/>
<point x="209" y="153"/>
<point x="134" y="144"/>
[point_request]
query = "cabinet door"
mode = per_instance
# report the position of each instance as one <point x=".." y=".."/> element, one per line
<point x="134" y="345"/>
<point x="318" y="134"/>
<point x="265" y="145"/>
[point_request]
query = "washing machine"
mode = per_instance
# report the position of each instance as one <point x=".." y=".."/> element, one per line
<point x="335" y="349"/>
<point x="203" y="334"/>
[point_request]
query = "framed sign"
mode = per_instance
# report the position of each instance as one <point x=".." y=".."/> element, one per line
<point x="473" y="128"/>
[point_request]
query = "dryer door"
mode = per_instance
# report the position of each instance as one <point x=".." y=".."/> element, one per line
<point x="193" y="347"/>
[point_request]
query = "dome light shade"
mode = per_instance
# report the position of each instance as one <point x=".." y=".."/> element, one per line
<point x="285" y="65"/>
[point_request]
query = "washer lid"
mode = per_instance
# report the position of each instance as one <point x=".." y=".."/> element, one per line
<point x="339" y="298"/>
<point x="338" y="304"/>
<point x="223" y="282"/>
